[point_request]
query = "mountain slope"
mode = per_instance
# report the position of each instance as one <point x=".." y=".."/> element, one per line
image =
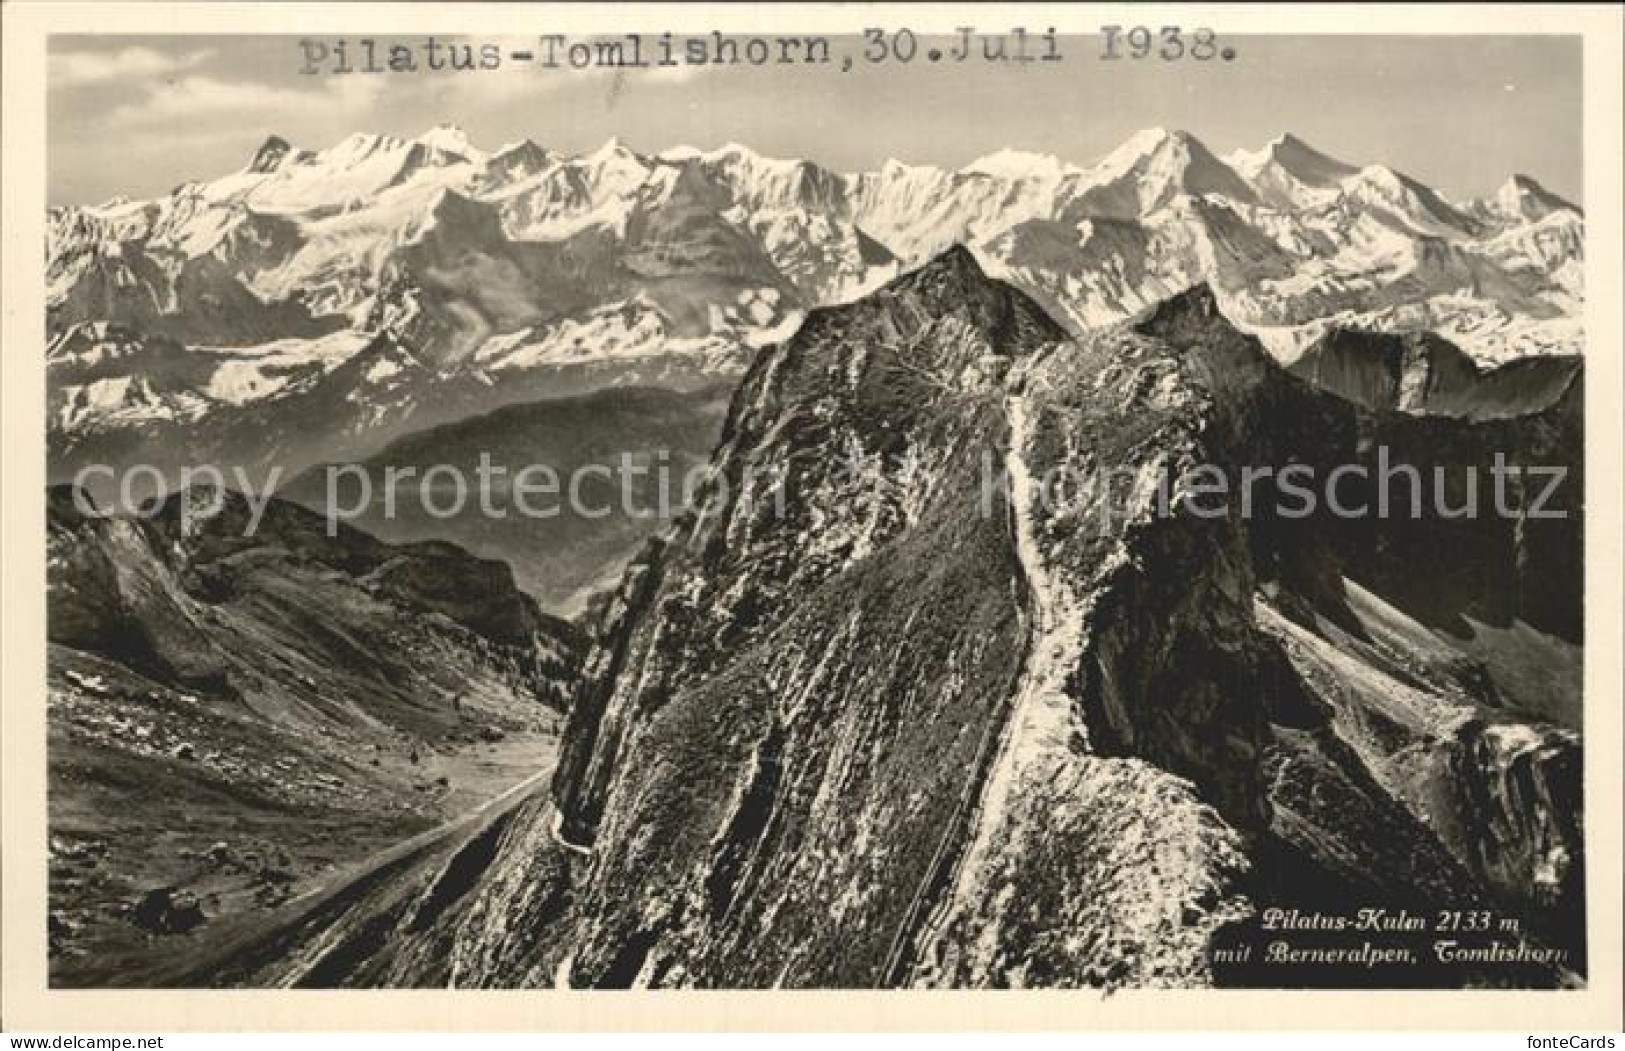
<point x="561" y="549"/>
<point x="1423" y="374"/>
<point x="236" y="715"/>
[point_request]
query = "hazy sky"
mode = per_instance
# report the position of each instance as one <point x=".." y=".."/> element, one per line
<point x="138" y="115"/>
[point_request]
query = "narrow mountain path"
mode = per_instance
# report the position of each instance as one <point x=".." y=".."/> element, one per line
<point x="1053" y="640"/>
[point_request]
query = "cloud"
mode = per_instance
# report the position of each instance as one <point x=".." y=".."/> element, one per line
<point x="161" y="115"/>
<point x="200" y="98"/>
<point x="80" y="68"/>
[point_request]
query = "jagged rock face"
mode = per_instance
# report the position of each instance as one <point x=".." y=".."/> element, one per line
<point x="1423" y="374"/>
<point x="1292" y="174"/>
<point x="909" y="729"/>
<point x="1458" y="636"/>
<point x="194" y="281"/>
<point x="336" y="402"/>
<point x="456" y="280"/>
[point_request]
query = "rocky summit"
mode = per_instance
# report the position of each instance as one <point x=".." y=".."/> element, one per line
<point x="894" y="708"/>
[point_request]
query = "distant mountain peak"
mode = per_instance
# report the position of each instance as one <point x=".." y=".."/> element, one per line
<point x="362" y="142"/>
<point x="1303" y="159"/>
<point x="1522" y="197"/>
<point x="1415" y="204"/>
<point x="1290" y="156"/>
<point x="1143" y="144"/>
<point x="894" y="170"/>
<point x="1152" y="137"/>
<point x="614" y="156"/>
<point x="456" y="216"/>
<point x="614" y="146"/>
<point x="522" y="146"/>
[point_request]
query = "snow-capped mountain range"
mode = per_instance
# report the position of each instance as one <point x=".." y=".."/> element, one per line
<point x="321" y="302"/>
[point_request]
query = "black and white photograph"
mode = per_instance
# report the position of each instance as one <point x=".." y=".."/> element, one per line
<point x="983" y="507"/>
